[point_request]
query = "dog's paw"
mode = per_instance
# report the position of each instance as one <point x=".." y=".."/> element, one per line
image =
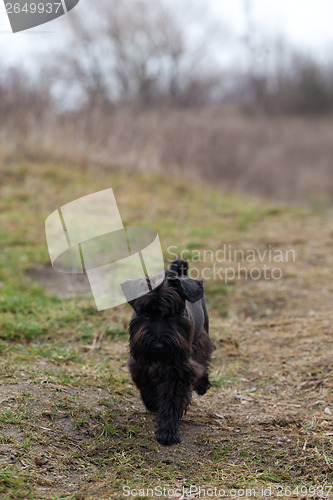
<point x="150" y="403"/>
<point x="202" y="385"/>
<point x="167" y="437"/>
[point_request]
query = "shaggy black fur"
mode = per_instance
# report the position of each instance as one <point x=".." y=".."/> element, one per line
<point x="170" y="348"/>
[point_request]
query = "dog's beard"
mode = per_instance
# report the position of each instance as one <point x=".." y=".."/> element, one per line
<point x="173" y="345"/>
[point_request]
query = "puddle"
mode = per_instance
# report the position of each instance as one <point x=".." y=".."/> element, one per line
<point x="60" y="284"/>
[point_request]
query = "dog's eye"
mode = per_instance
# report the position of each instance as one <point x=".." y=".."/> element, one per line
<point x="145" y="315"/>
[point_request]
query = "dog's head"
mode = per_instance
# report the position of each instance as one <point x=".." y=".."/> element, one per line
<point x="161" y="328"/>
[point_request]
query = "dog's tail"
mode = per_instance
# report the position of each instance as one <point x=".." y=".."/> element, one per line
<point x="179" y="267"/>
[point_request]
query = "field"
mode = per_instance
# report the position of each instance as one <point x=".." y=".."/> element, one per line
<point x="72" y="425"/>
<point x="285" y="158"/>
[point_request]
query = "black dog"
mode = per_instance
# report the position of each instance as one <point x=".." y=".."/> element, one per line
<point x="170" y="348"/>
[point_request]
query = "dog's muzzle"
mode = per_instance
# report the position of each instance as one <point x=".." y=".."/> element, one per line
<point x="159" y="347"/>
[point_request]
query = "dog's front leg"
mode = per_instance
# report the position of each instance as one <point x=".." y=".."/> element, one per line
<point x="175" y="396"/>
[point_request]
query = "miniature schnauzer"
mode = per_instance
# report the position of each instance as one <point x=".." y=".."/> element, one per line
<point x="170" y="348"/>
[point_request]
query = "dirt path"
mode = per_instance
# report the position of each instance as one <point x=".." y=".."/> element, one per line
<point x="268" y="419"/>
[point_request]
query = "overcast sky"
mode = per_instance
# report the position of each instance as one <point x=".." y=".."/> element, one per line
<point x="307" y="24"/>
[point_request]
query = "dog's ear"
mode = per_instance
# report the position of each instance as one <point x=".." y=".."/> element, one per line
<point x="189" y="289"/>
<point x="132" y="303"/>
<point x="179" y="267"/>
<point x="133" y="289"/>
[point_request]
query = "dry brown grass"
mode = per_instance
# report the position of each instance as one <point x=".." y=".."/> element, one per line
<point x="288" y="159"/>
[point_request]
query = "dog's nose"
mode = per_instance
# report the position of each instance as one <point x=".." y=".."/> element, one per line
<point x="159" y="346"/>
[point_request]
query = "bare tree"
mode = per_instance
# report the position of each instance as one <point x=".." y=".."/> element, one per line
<point x="139" y="51"/>
<point x="24" y="102"/>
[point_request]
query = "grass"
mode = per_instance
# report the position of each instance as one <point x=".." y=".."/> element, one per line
<point x="71" y="422"/>
<point x="283" y="157"/>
